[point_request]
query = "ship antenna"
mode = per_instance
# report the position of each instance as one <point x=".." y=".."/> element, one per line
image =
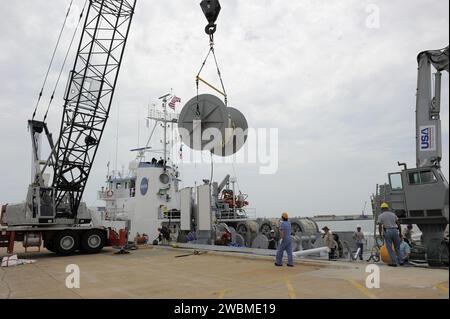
<point x="164" y="104"/>
<point x="117" y="138"/>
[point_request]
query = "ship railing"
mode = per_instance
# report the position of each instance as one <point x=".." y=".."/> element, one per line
<point x="113" y="215"/>
<point x="159" y="115"/>
<point x="246" y="213"/>
<point x="116" y="193"/>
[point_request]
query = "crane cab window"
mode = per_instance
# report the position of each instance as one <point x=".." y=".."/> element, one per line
<point x="414" y="178"/>
<point x="396" y="182"/>
<point x="427" y="177"/>
<point x="421" y="177"/>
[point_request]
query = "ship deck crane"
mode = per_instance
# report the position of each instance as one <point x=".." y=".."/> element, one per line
<point x="420" y="195"/>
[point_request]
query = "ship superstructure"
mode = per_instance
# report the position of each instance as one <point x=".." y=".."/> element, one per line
<point x="150" y="197"/>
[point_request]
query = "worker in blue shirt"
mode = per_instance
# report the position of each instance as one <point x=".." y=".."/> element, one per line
<point x="286" y="242"/>
<point x="405" y="249"/>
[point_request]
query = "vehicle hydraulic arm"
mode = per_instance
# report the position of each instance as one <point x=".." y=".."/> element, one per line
<point x="428" y="107"/>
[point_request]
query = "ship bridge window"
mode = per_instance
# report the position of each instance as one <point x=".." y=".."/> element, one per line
<point x="396" y="181"/>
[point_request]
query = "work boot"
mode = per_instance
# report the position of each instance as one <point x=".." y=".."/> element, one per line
<point x="278" y="265"/>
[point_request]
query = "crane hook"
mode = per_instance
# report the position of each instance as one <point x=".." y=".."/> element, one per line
<point x="211" y="28"/>
<point x="211" y="10"/>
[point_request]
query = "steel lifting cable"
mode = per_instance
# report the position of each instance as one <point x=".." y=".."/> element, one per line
<point x="65" y="60"/>
<point x="211" y="50"/>
<point x="197" y="77"/>
<point x="52" y="59"/>
<point x="220" y="76"/>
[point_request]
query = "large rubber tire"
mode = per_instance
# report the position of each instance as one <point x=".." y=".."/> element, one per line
<point x="93" y="241"/>
<point x="48" y="244"/>
<point x="66" y="242"/>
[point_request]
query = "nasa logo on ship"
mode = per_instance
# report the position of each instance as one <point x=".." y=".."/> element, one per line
<point x="144" y="186"/>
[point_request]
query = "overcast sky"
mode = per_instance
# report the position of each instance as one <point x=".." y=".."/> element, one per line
<point x="340" y="90"/>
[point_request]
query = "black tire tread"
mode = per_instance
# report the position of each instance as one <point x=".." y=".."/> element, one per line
<point x="84" y="237"/>
<point x="58" y="249"/>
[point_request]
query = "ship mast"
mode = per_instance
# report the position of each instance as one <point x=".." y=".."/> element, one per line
<point x="164" y="105"/>
<point x="159" y="117"/>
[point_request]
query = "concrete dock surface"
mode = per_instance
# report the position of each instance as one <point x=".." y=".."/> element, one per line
<point x="163" y="272"/>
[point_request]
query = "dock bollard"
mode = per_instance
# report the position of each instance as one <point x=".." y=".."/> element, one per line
<point x="122" y="242"/>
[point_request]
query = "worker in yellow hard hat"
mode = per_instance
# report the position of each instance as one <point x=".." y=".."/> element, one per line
<point x="389" y="228"/>
<point x="285" y="242"/>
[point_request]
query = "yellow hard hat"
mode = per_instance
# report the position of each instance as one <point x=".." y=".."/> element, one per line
<point x="285" y="215"/>
<point x="384" y="205"/>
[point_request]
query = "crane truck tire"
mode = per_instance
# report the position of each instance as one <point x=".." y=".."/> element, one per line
<point x="48" y="244"/>
<point x="65" y="242"/>
<point x="93" y="241"/>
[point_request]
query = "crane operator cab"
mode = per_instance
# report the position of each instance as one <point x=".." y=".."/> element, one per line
<point x="420" y="193"/>
<point x="421" y="196"/>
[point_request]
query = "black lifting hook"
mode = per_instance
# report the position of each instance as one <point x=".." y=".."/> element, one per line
<point x="211" y="10"/>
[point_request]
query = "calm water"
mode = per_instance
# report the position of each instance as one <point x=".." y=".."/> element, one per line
<point x="350" y="226"/>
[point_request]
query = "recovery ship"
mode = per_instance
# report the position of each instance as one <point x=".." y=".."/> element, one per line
<point x="149" y="197"/>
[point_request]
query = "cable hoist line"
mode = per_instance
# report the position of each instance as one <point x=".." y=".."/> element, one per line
<point x="65" y="59"/>
<point x="198" y="79"/>
<point x="207" y="111"/>
<point x="52" y="59"/>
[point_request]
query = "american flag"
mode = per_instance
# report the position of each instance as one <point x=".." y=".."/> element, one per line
<point x="174" y="101"/>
